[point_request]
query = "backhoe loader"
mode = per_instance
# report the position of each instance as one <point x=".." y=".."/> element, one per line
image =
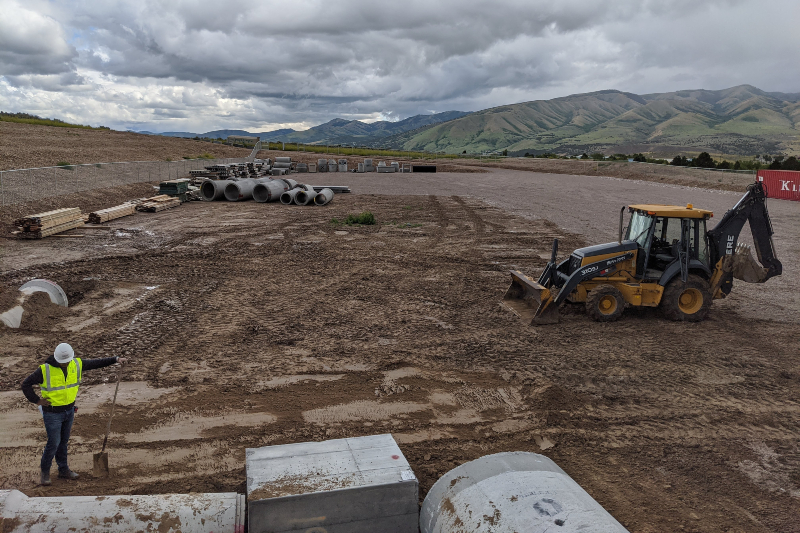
<point x="665" y="259"/>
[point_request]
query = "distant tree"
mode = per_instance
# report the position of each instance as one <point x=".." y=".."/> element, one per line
<point x="639" y="158"/>
<point x="584" y="156"/>
<point x="791" y="163"/>
<point x="704" y="160"/>
<point x="464" y="152"/>
<point x="767" y="158"/>
<point x="737" y="165"/>
<point x="505" y="152"/>
<point x="724" y="165"/>
<point x="597" y="156"/>
<point x="679" y="161"/>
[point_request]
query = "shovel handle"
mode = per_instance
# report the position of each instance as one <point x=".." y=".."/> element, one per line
<point x="111" y="416"/>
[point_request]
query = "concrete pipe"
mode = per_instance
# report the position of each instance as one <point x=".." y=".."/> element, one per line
<point x="212" y="190"/>
<point x="13" y="317"/>
<point x="196" y="512"/>
<point x="290" y="182"/>
<point x="322" y="165"/>
<point x="523" y="492"/>
<point x="240" y="191"/>
<point x="323" y="197"/>
<point x="269" y="191"/>
<point x="283" y="160"/>
<point x="287" y="198"/>
<point x="306" y="195"/>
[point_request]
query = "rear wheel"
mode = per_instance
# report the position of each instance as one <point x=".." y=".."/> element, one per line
<point x="605" y="303"/>
<point x="686" y="302"/>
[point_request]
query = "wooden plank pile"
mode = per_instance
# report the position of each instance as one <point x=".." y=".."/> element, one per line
<point x="104" y="215"/>
<point x="158" y="203"/>
<point x="49" y="223"/>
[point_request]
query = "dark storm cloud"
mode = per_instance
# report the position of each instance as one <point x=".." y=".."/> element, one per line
<point x="200" y="65"/>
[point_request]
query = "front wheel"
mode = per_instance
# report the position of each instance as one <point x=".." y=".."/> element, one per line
<point x="605" y="303"/>
<point x="686" y="302"/>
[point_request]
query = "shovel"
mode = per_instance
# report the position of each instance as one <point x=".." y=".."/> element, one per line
<point x="100" y="468"/>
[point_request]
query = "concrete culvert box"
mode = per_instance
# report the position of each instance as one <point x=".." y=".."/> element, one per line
<point x="355" y="485"/>
<point x="189" y="513"/>
<point x="332" y="166"/>
<point x="322" y="165"/>
<point x="512" y="492"/>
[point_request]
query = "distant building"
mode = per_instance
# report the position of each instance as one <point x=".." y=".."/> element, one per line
<point x="232" y="139"/>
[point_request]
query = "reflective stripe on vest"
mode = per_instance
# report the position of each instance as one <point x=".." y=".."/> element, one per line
<point x="58" y="390"/>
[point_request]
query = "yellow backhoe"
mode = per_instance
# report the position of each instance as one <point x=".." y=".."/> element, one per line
<point x="666" y="258"/>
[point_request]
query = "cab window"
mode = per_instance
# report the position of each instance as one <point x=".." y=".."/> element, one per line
<point x="639" y="228"/>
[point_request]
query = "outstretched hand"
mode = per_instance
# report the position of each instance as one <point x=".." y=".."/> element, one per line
<point x="122" y="360"/>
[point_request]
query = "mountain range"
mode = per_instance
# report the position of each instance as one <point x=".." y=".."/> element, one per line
<point x="740" y="120"/>
<point x="336" y="131"/>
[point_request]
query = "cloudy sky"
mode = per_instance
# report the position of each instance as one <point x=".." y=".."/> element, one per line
<point x="199" y="65"/>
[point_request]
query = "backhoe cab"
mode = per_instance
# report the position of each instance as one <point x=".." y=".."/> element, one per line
<point x="665" y="258"/>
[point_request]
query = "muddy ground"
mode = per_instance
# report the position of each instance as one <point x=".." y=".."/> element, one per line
<point x="257" y="324"/>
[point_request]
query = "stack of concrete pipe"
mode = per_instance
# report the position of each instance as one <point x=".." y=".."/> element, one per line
<point x="305" y="194"/>
<point x="271" y="191"/>
<point x="238" y="191"/>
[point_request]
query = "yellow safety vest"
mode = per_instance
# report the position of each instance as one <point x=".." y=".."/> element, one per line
<point x="55" y="388"/>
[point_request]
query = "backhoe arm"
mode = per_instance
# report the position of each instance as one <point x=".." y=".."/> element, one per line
<point x="724" y="237"/>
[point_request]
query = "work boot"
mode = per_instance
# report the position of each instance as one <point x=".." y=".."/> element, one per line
<point x="67" y="474"/>
<point x="45" y="479"/>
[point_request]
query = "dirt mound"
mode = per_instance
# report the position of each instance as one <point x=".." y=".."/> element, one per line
<point x="40" y="313"/>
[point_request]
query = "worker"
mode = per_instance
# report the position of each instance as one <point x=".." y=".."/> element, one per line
<point x="59" y="378"/>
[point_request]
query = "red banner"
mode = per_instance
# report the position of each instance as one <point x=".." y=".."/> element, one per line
<point x="783" y="184"/>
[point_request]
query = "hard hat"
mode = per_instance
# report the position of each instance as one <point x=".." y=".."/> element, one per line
<point x="64" y="353"/>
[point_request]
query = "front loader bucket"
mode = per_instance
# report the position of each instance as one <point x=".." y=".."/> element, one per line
<point x="530" y="301"/>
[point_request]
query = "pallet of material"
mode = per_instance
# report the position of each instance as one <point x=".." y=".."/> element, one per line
<point x="49" y="219"/>
<point x="158" y="203"/>
<point x="39" y="234"/>
<point x="111" y="213"/>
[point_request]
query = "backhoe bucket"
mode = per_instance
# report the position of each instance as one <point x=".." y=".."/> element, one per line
<point x="530" y="301"/>
<point x="744" y="267"/>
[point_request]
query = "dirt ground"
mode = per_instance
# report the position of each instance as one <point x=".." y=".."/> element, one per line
<point x="257" y="324"/>
<point x="31" y="146"/>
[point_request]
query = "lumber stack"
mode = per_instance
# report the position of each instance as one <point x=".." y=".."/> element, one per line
<point x="158" y="203"/>
<point x="49" y="223"/>
<point x="104" y="215"/>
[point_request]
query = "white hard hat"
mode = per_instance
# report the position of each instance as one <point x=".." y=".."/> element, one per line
<point x="64" y="353"/>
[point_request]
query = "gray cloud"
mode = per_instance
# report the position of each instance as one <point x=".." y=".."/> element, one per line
<point x="199" y="65"/>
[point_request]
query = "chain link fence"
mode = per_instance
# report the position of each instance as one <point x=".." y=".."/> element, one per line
<point x="31" y="184"/>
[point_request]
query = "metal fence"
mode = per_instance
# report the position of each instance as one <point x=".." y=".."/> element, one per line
<point x="30" y="184"/>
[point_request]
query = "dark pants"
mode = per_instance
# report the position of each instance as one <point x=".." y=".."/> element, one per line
<point x="58" y="426"/>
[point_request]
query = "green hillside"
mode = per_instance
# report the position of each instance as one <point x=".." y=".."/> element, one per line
<point x="740" y="120"/>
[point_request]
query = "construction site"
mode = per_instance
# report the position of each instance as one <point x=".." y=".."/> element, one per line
<point x="254" y="324"/>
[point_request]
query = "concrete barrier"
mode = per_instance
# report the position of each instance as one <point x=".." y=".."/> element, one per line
<point x="188" y="513"/>
<point x="355" y="485"/>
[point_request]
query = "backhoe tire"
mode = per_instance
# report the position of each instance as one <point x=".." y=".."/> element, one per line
<point x="605" y="303"/>
<point x="686" y="302"/>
